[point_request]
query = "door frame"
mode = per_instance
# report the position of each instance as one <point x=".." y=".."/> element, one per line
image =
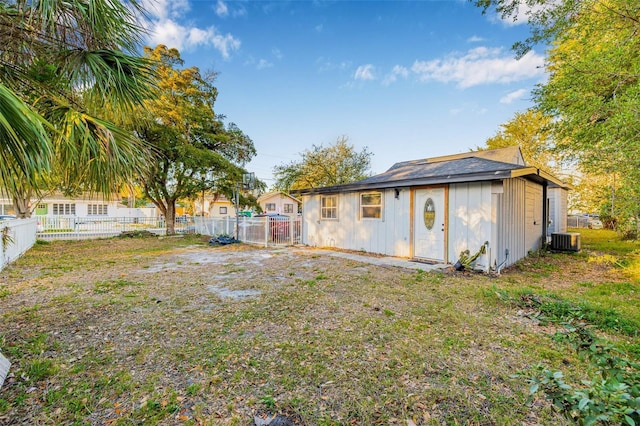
<point x="413" y="215"/>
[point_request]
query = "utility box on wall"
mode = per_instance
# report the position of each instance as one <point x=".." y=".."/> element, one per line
<point x="565" y="241"/>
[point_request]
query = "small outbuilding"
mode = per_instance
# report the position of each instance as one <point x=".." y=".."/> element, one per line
<point x="436" y="208"/>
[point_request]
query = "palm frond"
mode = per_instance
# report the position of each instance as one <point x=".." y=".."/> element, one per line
<point x="111" y="78"/>
<point x="96" y="152"/>
<point x="25" y="146"/>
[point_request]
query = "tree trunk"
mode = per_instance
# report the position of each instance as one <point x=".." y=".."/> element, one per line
<point x="22" y="204"/>
<point x="170" y="216"/>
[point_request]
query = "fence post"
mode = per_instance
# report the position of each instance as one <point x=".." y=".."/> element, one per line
<point x="267" y="219"/>
<point x="291" y="223"/>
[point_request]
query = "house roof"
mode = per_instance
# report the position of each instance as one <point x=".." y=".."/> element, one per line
<point x="468" y="167"/>
<point x="268" y="195"/>
<point x="509" y="154"/>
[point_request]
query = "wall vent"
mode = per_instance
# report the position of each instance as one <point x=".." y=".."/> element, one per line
<point x="565" y="241"/>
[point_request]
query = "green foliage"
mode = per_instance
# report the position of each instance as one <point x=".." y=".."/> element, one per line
<point x="40" y="369"/>
<point x="591" y="96"/>
<point x="53" y="133"/>
<point x="324" y="166"/>
<point x="556" y="309"/>
<point x="196" y="152"/>
<point x="269" y="402"/>
<point x="610" y="396"/>
<point x="530" y="131"/>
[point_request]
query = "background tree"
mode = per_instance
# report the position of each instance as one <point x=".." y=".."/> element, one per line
<point x="593" y="94"/>
<point x="61" y="64"/>
<point x="593" y="88"/>
<point x="530" y="131"/>
<point x="195" y="151"/>
<point x="324" y="166"/>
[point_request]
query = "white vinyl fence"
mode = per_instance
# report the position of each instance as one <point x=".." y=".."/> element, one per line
<point x="79" y="228"/>
<point x="18" y="236"/>
<point x="265" y="231"/>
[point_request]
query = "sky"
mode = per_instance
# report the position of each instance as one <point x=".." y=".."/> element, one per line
<point x="405" y="79"/>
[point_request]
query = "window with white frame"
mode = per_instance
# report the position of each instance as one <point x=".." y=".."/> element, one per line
<point x="223" y="210"/>
<point x="96" y="210"/>
<point x="288" y="208"/>
<point x="61" y="209"/>
<point x="371" y="205"/>
<point x="329" y="207"/>
<point x="271" y="207"/>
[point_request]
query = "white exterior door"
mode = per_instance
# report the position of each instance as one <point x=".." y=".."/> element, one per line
<point x="429" y="224"/>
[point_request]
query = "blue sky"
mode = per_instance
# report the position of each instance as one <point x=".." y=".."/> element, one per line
<point x="406" y="79"/>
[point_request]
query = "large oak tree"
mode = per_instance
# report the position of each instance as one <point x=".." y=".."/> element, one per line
<point x="196" y="152"/>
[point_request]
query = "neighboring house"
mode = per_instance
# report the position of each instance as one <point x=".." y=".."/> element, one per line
<point x="220" y="206"/>
<point x="435" y="208"/>
<point x="83" y="206"/>
<point x="279" y="202"/>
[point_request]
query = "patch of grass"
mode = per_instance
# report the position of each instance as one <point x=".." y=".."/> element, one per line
<point x="113" y="285"/>
<point x="40" y="369"/>
<point x="359" y="344"/>
<point x="556" y="309"/>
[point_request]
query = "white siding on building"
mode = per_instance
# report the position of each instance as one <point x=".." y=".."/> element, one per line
<point x="507" y="214"/>
<point x="533" y="219"/>
<point x="510" y="218"/>
<point x="387" y="235"/>
<point x="519" y="219"/>
<point x="470" y="220"/>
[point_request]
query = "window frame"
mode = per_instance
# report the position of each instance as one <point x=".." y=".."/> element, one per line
<point x="97" y="209"/>
<point x="64" y="209"/>
<point x="270" y="207"/>
<point x="222" y="210"/>
<point x="287" y="208"/>
<point x="377" y="209"/>
<point x="326" y="209"/>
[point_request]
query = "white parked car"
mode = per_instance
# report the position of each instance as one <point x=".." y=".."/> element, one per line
<point x="595" y="224"/>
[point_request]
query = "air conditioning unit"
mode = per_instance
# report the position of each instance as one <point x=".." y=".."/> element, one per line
<point x="565" y="241"/>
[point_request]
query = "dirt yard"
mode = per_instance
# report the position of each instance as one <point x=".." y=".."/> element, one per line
<point x="171" y="331"/>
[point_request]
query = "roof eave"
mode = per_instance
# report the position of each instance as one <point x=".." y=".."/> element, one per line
<point x="541" y="176"/>
<point x="407" y="183"/>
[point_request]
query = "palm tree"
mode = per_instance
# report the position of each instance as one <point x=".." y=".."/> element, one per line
<point x="66" y="65"/>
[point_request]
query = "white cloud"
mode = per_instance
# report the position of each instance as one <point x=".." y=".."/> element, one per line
<point x="276" y="53"/>
<point x="318" y="28"/>
<point x="164" y="27"/>
<point x="523" y="12"/>
<point x="263" y="63"/>
<point x="165" y="9"/>
<point x="364" y="72"/>
<point x="221" y="9"/>
<point x="513" y="96"/>
<point x="397" y="71"/>
<point x="480" y="66"/>
<point x="475" y="39"/>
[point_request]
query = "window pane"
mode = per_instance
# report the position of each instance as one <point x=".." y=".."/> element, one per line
<point x="329" y="207"/>
<point x="371" y="199"/>
<point x="372" y="212"/>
